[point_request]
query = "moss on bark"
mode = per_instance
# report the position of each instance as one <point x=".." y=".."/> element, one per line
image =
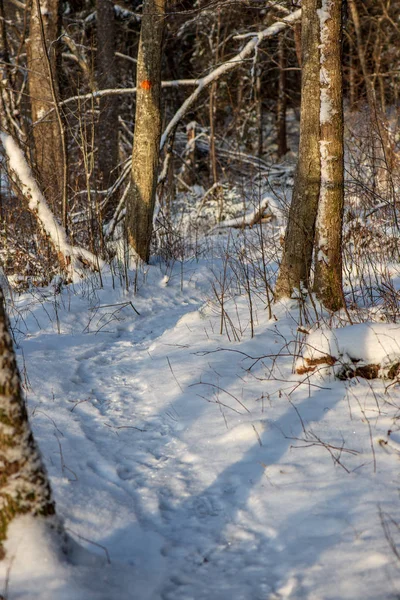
<point x="24" y="486"/>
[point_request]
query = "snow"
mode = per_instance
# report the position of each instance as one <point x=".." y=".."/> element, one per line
<point x="321" y="222"/>
<point x="371" y="343"/>
<point x="187" y="466"/>
<point x="252" y="217"/>
<point x="326" y="110"/>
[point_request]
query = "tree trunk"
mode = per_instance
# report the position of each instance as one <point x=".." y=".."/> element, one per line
<point x="281" y="104"/>
<point x="213" y="156"/>
<point x="5" y="85"/>
<point x="353" y="95"/>
<point x="213" y="108"/>
<point x="146" y="146"/>
<point x="260" y="113"/>
<point x="328" y="238"/>
<point x="24" y="486"/>
<point x="6" y="107"/>
<point x="386" y="153"/>
<point x="107" y="130"/>
<point x="299" y="240"/>
<point x="297" y="41"/>
<point x="50" y="158"/>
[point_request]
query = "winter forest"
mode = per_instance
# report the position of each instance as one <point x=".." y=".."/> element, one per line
<point x="199" y="300"/>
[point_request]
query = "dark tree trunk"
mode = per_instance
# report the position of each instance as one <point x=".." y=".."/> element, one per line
<point x="5" y="80"/>
<point x="107" y="131"/>
<point x="260" y="113"/>
<point x="281" y="105"/>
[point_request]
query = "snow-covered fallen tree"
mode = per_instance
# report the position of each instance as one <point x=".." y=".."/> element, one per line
<point x="267" y="209"/>
<point x="367" y="350"/>
<point x="257" y="215"/>
<point x="71" y="258"/>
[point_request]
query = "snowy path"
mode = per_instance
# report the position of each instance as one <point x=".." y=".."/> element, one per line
<point x="200" y="478"/>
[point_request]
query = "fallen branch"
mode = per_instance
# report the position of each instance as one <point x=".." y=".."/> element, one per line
<point x="249" y="219"/>
<point x="367" y="350"/>
<point x="71" y="258"/>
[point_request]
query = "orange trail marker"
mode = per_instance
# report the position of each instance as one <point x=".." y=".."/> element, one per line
<point x="146" y="85"/>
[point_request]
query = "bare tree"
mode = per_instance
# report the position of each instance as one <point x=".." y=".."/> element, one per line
<point x="24" y="486"/>
<point x="299" y="240"/>
<point x="386" y="155"/>
<point x="48" y="131"/>
<point x="282" y="101"/>
<point x="5" y="80"/>
<point x="318" y="187"/>
<point x="107" y="131"/>
<point x="146" y="146"/>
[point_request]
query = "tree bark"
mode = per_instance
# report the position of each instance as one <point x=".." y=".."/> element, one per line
<point x="146" y="146"/>
<point x="260" y="112"/>
<point x="107" y="130"/>
<point x="213" y="108"/>
<point x="297" y="41"/>
<point x="5" y="79"/>
<point x="328" y="235"/>
<point x="24" y="486"/>
<point x="281" y="104"/>
<point x="299" y="240"/>
<point x="48" y="142"/>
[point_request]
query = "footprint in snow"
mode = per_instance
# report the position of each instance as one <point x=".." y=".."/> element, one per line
<point x="206" y="506"/>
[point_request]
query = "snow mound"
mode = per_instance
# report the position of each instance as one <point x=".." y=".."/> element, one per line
<point x="44" y="564"/>
<point x="376" y="344"/>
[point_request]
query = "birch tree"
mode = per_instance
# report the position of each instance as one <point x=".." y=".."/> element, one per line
<point x="146" y="146"/>
<point x="24" y="485"/>
<point x="318" y="187"/>
<point x="328" y="239"/>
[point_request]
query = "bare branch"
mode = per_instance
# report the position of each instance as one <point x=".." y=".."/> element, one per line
<point x="232" y="63"/>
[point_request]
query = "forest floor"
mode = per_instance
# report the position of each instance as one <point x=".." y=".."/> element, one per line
<point x="189" y="464"/>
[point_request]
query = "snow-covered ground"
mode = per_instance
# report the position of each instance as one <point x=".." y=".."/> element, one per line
<point x="190" y="465"/>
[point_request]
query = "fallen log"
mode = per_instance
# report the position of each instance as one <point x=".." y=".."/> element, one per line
<point x="368" y="350"/>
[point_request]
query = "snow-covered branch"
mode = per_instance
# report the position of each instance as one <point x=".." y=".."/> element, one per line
<point x="250" y="219"/>
<point x="68" y="255"/>
<point x="232" y="63"/>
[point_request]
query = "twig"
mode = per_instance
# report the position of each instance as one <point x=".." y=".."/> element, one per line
<point x="173" y="375"/>
<point x="81" y="537"/>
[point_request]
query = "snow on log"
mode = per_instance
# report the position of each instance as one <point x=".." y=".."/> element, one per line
<point x="367" y="350"/>
<point x="249" y="219"/>
<point x="69" y="256"/>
